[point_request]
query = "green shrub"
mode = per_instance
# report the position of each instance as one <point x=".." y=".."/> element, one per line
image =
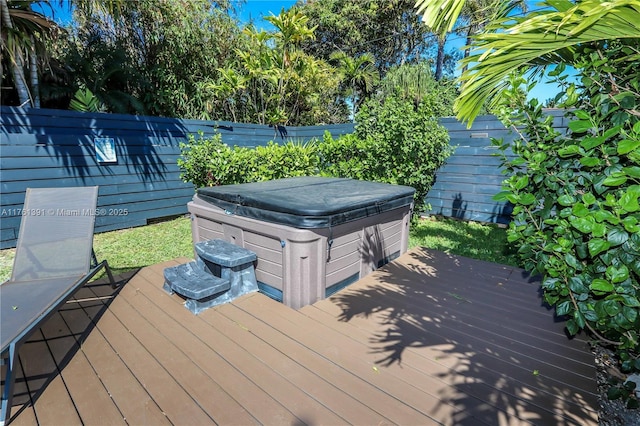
<point x="210" y="162"/>
<point x="408" y="144"/>
<point x="347" y="156"/>
<point x="290" y="159"/>
<point x="576" y="197"/>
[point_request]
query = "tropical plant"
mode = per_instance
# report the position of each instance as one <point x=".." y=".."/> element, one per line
<point x="271" y="81"/>
<point x="85" y="101"/>
<point x="152" y="57"/>
<point x="23" y="34"/>
<point x="416" y="82"/>
<point x="537" y="41"/>
<point x="358" y="76"/>
<point x="28" y="42"/>
<point x="389" y="29"/>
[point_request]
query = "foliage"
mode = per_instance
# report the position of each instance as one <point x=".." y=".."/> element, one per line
<point x="410" y="145"/>
<point x="544" y="37"/>
<point x="272" y="81"/>
<point x="348" y="156"/>
<point x="151" y="57"/>
<point x="416" y="83"/>
<point x="389" y="29"/>
<point x="576" y="197"/>
<point x="85" y="101"/>
<point x="358" y="76"/>
<point x="210" y="162"/>
<point x="398" y="140"/>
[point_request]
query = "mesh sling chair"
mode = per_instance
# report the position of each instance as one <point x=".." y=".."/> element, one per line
<point x="54" y="258"/>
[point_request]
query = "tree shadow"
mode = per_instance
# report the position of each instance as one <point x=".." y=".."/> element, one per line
<point x="482" y="331"/>
<point x="458" y="210"/>
<point x="45" y="355"/>
<point x="140" y="142"/>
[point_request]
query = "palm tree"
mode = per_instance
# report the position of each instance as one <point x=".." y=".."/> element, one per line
<point x="359" y="76"/>
<point x="23" y="34"/>
<point x="542" y="38"/>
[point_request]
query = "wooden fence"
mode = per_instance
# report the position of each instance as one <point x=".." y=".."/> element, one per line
<point x="45" y="148"/>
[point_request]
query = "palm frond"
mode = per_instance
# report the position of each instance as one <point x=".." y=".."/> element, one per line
<point x="542" y="38"/>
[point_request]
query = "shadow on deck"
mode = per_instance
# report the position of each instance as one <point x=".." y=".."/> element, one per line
<point x="428" y="339"/>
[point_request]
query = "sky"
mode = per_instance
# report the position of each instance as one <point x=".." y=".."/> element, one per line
<point x="257" y="9"/>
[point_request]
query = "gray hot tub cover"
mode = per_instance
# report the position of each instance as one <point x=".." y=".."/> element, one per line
<point x="308" y="202"/>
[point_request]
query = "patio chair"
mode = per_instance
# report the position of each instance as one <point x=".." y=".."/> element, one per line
<point x="54" y="258"/>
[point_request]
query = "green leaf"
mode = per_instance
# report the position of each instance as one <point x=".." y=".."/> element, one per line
<point x="588" y="198"/>
<point x="590" y="161"/>
<point x="616" y="179"/>
<point x="572" y="327"/>
<point x="599" y="284"/>
<point x="564" y="308"/>
<point x="630" y="314"/>
<point x="568" y="151"/>
<point x="631" y="224"/>
<point x="527" y="199"/>
<point x="617" y="236"/>
<point x="571" y="261"/>
<point x="617" y="274"/>
<point x="630" y="301"/>
<point x="521" y="183"/>
<point x="598" y="230"/>
<point x="611" y="307"/>
<point x="597" y="246"/>
<point x="580" y="126"/>
<point x="629" y="201"/>
<point x="501" y="196"/>
<point x="566" y="200"/>
<point x="592" y="142"/>
<point x="584" y="225"/>
<point x="633" y="171"/>
<point x="614" y="393"/>
<point x="627" y="145"/>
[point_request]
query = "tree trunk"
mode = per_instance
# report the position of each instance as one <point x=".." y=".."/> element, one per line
<point x="33" y="74"/>
<point x="440" y="58"/>
<point x="16" y="61"/>
<point x="467" y="49"/>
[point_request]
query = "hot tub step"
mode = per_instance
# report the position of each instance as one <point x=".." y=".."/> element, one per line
<point x="221" y="273"/>
<point x="231" y="262"/>
<point x="199" y="287"/>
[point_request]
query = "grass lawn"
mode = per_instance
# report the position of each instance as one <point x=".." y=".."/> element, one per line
<point x="133" y="248"/>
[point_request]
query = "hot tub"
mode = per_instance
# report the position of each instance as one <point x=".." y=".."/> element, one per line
<point x="312" y="235"/>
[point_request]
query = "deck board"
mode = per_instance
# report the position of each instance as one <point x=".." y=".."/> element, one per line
<point x="428" y="339"/>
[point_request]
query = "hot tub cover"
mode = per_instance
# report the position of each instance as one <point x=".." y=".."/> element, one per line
<point x="308" y="202"/>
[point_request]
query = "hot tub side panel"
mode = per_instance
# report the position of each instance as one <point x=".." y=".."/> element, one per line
<point x="362" y="246"/>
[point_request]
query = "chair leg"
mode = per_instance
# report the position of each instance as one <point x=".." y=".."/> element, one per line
<point x="9" y="381"/>
<point x="109" y="274"/>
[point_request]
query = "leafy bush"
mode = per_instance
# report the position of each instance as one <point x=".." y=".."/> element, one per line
<point x="290" y="159"/>
<point x="210" y="162"/>
<point x="347" y="156"/>
<point x="408" y="143"/>
<point x="577" y="214"/>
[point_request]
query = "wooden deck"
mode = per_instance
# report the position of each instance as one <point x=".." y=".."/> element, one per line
<point x="428" y="339"/>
